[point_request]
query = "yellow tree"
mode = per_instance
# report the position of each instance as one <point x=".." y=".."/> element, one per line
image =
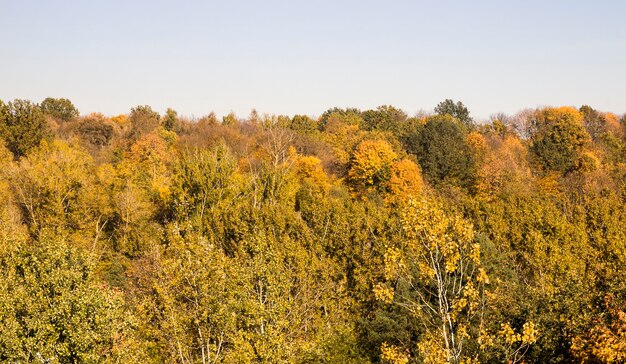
<point x="342" y="134"/>
<point x="149" y="158"/>
<point x="371" y="166"/>
<point x="139" y="186"/>
<point x="55" y="186"/>
<point x="309" y="171"/>
<point x="440" y="263"/>
<point x="406" y="179"/>
<point x="505" y="170"/>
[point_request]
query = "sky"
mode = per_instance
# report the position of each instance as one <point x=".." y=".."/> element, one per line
<point x="303" y="57"/>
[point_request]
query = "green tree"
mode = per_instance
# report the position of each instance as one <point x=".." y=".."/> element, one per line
<point x="303" y="124"/>
<point x="52" y="309"/>
<point x="349" y="116"/>
<point x="385" y="118"/>
<point x="22" y="126"/>
<point x="558" y="138"/>
<point x="443" y="152"/>
<point x="170" y="120"/>
<point x="457" y="110"/>
<point x="61" y="109"/>
<point x="202" y="181"/>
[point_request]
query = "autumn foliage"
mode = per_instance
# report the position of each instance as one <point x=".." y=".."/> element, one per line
<point x="356" y="237"/>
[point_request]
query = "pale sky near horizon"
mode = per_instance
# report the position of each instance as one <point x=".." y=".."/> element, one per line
<point x="303" y="57"/>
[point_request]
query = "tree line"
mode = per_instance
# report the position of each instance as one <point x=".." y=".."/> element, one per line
<point x="355" y="237"/>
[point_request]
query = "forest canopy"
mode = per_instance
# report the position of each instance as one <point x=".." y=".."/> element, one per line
<point x="360" y="236"/>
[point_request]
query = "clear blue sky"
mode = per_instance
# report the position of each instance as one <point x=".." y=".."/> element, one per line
<point x="304" y="57"/>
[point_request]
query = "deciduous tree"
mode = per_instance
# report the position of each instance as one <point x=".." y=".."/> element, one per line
<point x="22" y="126"/>
<point x="558" y="138"/>
<point x="61" y="109"/>
<point x="443" y="152"/>
<point x="370" y="168"/>
<point x="456" y="110"/>
<point x="440" y="262"/>
<point x="143" y="120"/>
<point x="386" y="118"/>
